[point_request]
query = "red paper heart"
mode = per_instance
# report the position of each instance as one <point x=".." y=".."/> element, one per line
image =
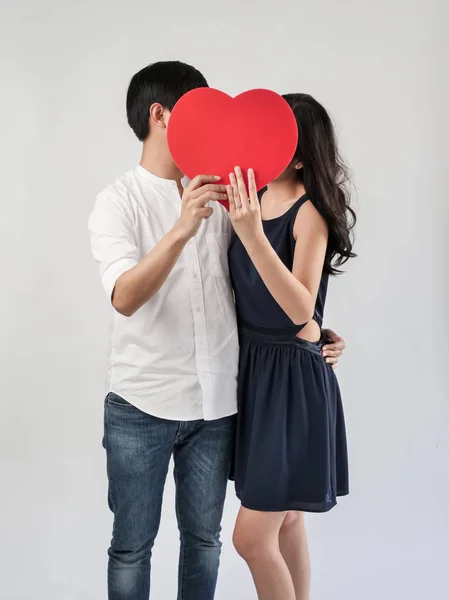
<point x="210" y="133"/>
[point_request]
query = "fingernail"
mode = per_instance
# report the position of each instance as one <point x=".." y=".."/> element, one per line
<point x="217" y="177"/>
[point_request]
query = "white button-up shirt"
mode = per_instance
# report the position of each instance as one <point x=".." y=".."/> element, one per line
<point x="176" y="357"/>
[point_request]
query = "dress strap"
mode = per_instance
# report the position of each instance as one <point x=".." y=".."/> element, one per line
<point x="297" y="205"/>
<point x="294" y="208"/>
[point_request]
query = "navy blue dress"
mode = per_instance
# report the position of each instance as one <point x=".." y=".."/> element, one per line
<point x="291" y="449"/>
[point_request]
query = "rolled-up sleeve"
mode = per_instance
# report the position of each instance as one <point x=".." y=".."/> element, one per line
<point x="112" y="238"/>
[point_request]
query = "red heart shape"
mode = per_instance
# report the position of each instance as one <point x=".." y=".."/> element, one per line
<point x="210" y="133"/>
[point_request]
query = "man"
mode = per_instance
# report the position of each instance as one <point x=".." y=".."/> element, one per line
<point x="161" y="244"/>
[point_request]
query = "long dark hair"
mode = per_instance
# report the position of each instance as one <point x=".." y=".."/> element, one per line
<point x="324" y="176"/>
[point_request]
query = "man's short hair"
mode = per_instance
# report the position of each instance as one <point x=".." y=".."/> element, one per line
<point x="162" y="82"/>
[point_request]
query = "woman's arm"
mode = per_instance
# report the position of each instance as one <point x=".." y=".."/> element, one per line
<point x="294" y="291"/>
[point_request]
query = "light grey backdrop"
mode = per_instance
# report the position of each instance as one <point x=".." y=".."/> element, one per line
<point x="380" y="67"/>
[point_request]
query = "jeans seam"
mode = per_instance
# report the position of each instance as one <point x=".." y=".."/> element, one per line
<point x="182" y="545"/>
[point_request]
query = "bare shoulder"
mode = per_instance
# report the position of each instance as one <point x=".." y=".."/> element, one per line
<point x="309" y="221"/>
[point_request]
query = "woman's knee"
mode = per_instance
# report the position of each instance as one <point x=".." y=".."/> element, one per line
<point x="249" y="543"/>
<point x="244" y="542"/>
<point x="293" y="521"/>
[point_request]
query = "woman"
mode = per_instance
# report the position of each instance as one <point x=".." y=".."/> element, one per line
<point x="291" y="443"/>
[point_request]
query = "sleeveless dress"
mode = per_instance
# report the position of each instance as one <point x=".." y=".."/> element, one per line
<point x="291" y="451"/>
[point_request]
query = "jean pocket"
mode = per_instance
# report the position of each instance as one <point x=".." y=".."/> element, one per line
<point x="117" y="400"/>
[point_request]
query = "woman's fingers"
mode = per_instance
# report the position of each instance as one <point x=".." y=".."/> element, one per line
<point x="244" y="200"/>
<point x="231" y="199"/>
<point x="235" y="191"/>
<point x="252" y="188"/>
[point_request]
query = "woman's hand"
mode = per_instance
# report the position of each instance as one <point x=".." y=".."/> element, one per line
<point x="244" y="207"/>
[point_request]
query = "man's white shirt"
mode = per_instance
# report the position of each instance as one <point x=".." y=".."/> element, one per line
<point x="176" y="358"/>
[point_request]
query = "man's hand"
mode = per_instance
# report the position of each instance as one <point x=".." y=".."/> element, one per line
<point x="201" y="190"/>
<point x="139" y="284"/>
<point x="333" y="348"/>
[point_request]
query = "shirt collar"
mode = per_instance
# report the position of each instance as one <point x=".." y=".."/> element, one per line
<point x="159" y="181"/>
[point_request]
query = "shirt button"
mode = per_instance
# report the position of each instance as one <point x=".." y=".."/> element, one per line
<point x="195" y="276"/>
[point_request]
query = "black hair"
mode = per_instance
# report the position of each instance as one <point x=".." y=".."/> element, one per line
<point x="162" y="82"/>
<point x="324" y="176"/>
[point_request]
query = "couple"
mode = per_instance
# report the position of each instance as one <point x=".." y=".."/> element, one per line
<point x="201" y="296"/>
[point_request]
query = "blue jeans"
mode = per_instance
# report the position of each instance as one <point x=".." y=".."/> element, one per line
<point x="138" y="448"/>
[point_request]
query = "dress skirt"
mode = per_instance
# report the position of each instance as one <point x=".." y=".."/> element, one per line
<point x="291" y="451"/>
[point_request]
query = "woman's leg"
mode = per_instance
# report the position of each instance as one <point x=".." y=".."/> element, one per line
<point x="256" y="539"/>
<point x="294" y="549"/>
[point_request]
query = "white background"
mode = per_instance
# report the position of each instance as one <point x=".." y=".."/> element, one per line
<point x="380" y="67"/>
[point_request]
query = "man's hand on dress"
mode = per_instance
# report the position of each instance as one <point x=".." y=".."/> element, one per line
<point x="333" y="348"/>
